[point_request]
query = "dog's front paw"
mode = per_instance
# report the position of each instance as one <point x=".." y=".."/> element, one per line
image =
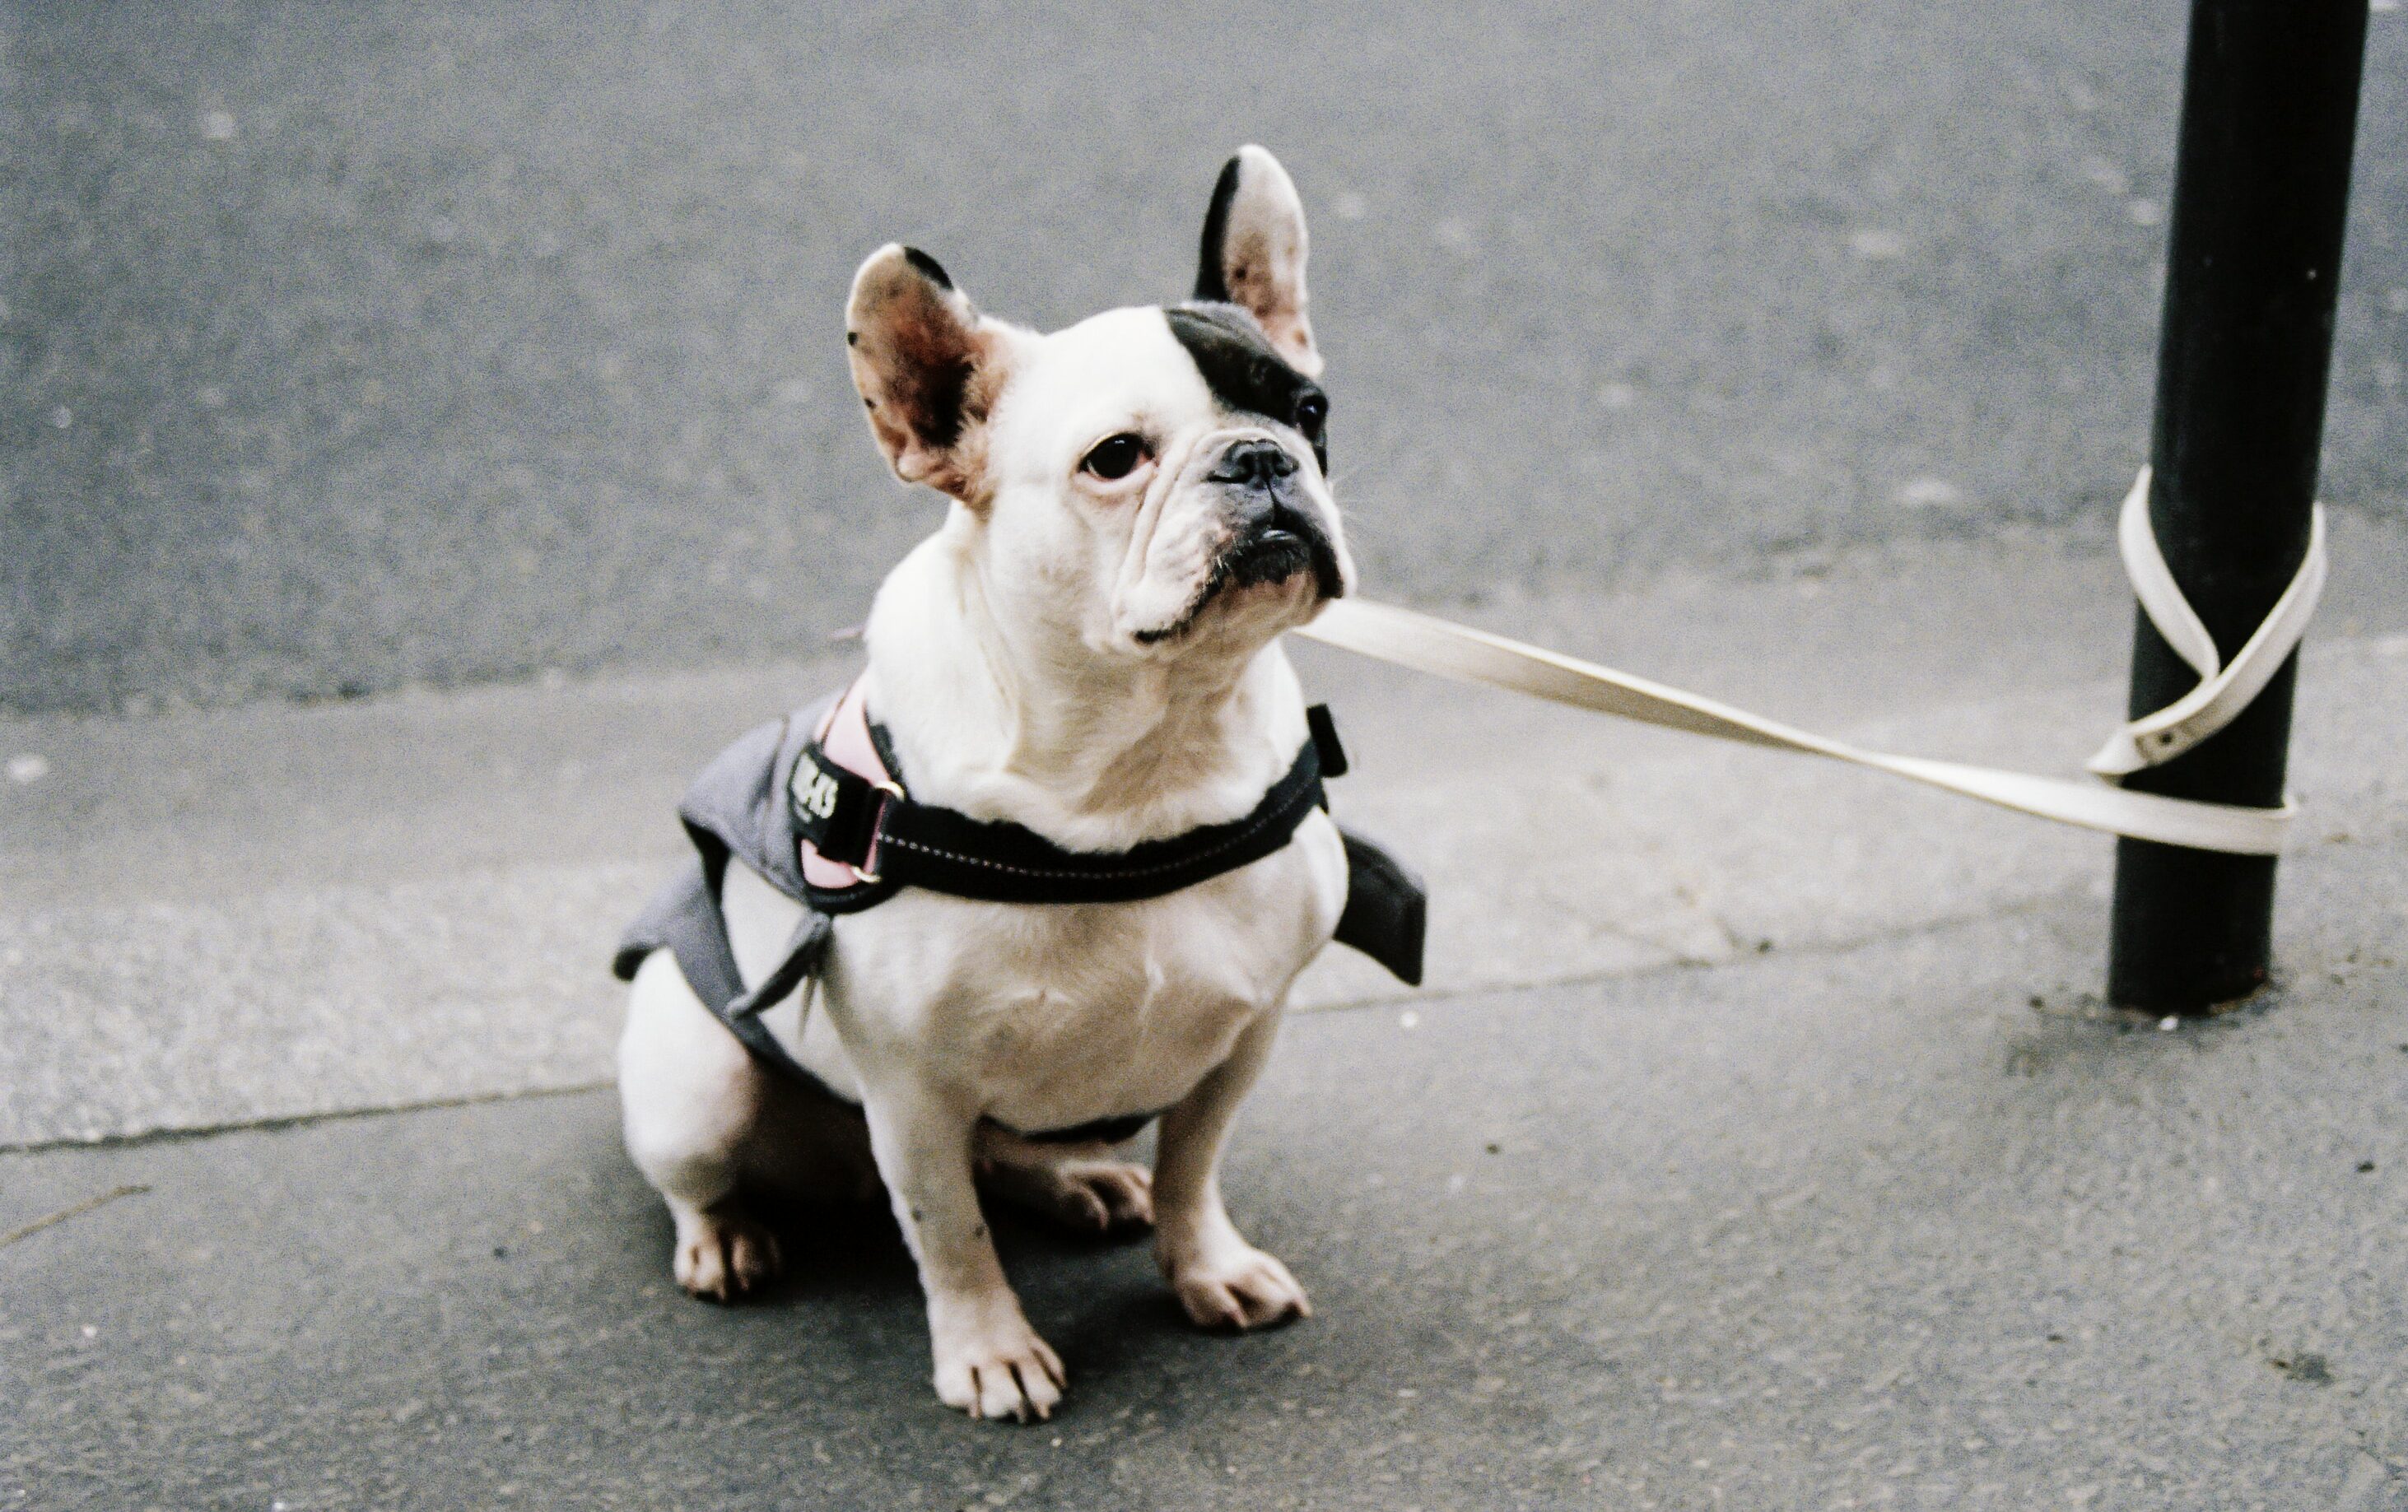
<point x="990" y="1363"/>
<point x="722" y="1253"/>
<point x="1236" y="1285"/>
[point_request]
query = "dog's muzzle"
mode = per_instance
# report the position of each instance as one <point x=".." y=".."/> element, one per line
<point x="1275" y="536"/>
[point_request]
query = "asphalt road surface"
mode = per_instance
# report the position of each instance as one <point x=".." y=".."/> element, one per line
<point x="346" y="347"/>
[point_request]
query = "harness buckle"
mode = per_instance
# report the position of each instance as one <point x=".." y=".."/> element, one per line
<point x="895" y="791"/>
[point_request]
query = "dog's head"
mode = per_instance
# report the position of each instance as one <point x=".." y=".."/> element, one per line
<point x="1151" y="481"/>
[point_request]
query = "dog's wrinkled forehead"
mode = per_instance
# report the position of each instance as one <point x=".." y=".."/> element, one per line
<point x="1238" y="365"/>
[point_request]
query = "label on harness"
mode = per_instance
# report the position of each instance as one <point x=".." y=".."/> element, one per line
<point x="835" y="809"/>
<point x="815" y="799"/>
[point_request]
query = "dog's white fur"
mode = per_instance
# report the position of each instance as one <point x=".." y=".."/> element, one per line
<point x="1019" y="660"/>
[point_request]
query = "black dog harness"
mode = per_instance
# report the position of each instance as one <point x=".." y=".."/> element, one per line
<point x="815" y="803"/>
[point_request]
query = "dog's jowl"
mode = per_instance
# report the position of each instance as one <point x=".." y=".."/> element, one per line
<point x="1045" y="871"/>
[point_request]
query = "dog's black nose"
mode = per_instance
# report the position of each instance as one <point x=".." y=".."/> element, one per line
<point x="1255" y="464"/>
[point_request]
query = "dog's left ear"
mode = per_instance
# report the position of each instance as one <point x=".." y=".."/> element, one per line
<point x="929" y="368"/>
<point x="1254" y="253"/>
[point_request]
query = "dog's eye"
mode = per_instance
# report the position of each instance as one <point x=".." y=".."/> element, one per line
<point x="1115" y="456"/>
<point x="1311" y="413"/>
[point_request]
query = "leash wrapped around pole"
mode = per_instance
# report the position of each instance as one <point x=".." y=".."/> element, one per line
<point x="2224" y="689"/>
<point x="1424" y="643"/>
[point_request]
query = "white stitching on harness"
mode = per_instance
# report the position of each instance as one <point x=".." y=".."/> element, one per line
<point x="1230" y="844"/>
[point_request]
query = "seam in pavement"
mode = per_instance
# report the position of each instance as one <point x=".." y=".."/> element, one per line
<point x="1740" y="955"/>
<point x="295" y="1121"/>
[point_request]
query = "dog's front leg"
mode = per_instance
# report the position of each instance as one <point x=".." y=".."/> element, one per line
<point x="989" y="1361"/>
<point x="1222" y="1280"/>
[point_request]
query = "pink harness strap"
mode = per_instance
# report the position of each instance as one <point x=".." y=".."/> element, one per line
<point x="844" y="737"/>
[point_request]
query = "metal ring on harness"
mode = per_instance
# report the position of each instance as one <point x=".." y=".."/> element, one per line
<point x="895" y="788"/>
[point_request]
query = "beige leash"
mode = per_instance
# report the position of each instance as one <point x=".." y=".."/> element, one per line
<point x="1442" y="649"/>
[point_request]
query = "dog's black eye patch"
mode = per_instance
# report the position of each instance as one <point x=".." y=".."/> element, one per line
<point x="1245" y="375"/>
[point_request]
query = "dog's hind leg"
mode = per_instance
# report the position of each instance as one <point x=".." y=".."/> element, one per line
<point x="692" y="1098"/>
<point x="1077" y="1185"/>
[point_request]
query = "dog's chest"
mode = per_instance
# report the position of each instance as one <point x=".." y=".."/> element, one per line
<point x="1055" y="1015"/>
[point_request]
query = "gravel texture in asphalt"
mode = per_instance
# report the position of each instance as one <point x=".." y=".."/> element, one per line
<point x="348" y="347"/>
<point x="1816" y="1229"/>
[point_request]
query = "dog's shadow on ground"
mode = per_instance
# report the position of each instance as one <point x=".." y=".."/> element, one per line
<point x="852" y="1256"/>
<point x="849" y="1282"/>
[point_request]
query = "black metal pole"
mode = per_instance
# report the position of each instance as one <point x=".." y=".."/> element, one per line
<point x="2262" y="191"/>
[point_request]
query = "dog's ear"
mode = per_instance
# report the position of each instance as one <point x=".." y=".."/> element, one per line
<point x="928" y="367"/>
<point x="1254" y="253"/>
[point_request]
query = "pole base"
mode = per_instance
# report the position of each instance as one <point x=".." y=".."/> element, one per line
<point x="2193" y="930"/>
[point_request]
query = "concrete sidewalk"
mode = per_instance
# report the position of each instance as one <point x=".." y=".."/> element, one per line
<point x="212" y="918"/>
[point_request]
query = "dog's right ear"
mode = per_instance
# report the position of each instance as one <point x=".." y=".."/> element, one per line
<point x="1254" y="253"/>
<point x="929" y="368"/>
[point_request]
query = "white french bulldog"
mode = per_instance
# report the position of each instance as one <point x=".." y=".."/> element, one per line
<point x="1088" y="647"/>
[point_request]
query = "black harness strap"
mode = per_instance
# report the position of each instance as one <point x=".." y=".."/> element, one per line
<point x="776" y="788"/>
<point x="901" y="842"/>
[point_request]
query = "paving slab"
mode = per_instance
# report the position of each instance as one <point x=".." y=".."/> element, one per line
<point x="1905" y="1224"/>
